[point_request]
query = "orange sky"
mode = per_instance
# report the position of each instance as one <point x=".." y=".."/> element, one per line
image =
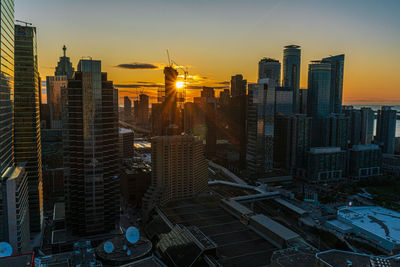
<point x="220" y="38"/>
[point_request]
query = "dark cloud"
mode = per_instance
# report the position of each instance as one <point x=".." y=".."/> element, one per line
<point x="224" y="82"/>
<point x="138" y="85"/>
<point x="138" y="66"/>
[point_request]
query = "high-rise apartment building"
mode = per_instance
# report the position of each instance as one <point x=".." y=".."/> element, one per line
<point x="270" y="68"/>
<point x="27" y="140"/>
<point x="386" y="129"/>
<point x="142" y="110"/>
<point x="291" y="71"/>
<point x="334" y="132"/>
<point x="336" y="92"/>
<point x="64" y="66"/>
<point x="303" y="101"/>
<point x="326" y="164"/>
<point x="14" y="209"/>
<point x="7" y="83"/>
<point x="354" y="127"/>
<point x="91" y="161"/>
<point x="179" y="169"/>
<point x="260" y="127"/>
<point x="365" y="161"/>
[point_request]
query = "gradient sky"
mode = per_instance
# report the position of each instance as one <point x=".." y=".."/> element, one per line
<point x="219" y="38"/>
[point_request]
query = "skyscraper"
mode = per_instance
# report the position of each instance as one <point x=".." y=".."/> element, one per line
<point x="7" y="83"/>
<point x="64" y="66"/>
<point x="27" y="140"/>
<point x="354" y="128"/>
<point x="14" y="209"/>
<point x="54" y="85"/>
<point x="270" y="68"/>
<point x="260" y="127"/>
<point x="386" y="129"/>
<point x="127" y="109"/>
<point x="367" y="125"/>
<point x="90" y="134"/>
<point x="336" y="92"/>
<point x="142" y="110"/>
<point x="238" y="85"/>
<point x="303" y="101"/>
<point x="318" y="97"/>
<point x="291" y="71"/>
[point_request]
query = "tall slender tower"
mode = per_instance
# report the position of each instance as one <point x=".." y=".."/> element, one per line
<point x="64" y="66"/>
<point x="291" y="72"/>
<point x="90" y="135"/>
<point x="336" y="93"/>
<point x="6" y="83"/>
<point x="27" y="144"/>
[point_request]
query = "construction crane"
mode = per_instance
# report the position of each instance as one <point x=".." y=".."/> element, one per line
<point x="24" y="22"/>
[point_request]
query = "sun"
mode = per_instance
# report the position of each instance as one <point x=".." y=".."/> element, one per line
<point x="180" y="84"/>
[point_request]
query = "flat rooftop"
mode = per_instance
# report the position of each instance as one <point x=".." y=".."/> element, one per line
<point x="382" y="222"/>
<point x="237" y="244"/>
<point x="323" y="150"/>
<point x="343" y="258"/>
<point x="18" y="260"/>
<point x="278" y="229"/>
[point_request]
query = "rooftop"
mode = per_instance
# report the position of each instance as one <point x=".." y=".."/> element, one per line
<point x="344" y="258"/>
<point x="18" y="260"/>
<point x="125" y="130"/>
<point x="323" y="150"/>
<point x="382" y="222"/>
<point x="365" y="147"/>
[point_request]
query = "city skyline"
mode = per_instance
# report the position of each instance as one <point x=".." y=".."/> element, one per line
<point x="208" y="38"/>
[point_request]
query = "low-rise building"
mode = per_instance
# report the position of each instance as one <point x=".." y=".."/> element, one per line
<point x="364" y="161"/>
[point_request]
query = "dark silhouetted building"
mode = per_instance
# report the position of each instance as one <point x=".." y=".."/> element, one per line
<point x="27" y="141"/>
<point x="367" y="125"/>
<point x="91" y="161"/>
<point x="291" y="72"/>
<point x="64" y="66"/>
<point x="126" y="140"/>
<point x="292" y="141"/>
<point x="127" y="109"/>
<point x="238" y="85"/>
<point x="326" y="164"/>
<point x="260" y="127"/>
<point x="303" y="101"/>
<point x="365" y="161"/>
<point x="336" y="92"/>
<point x="386" y="129"/>
<point x="142" y="110"/>
<point x="270" y="68"/>
<point x="54" y="85"/>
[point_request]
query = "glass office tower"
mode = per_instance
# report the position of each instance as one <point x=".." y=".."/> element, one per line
<point x="91" y="155"/>
<point x="6" y="83"/>
<point x="27" y="142"/>
<point x="270" y="68"/>
<point x="291" y="72"/>
<point x="260" y="127"/>
<point x="336" y="94"/>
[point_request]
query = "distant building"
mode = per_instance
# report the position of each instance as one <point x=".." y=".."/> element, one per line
<point x="365" y="161"/>
<point x="292" y="141"/>
<point x="326" y="164"/>
<point x="238" y="85"/>
<point x="354" y="126"/>
<point x="336" y="91"/>
<point x="391" y="164"/>
<point x="127" y="109"/>
<point x="91" y="162"/>
<point x="334" y="131"/>
<point x="27" y="144"/>
<point x="303" y="101"/>
<point x="54" y="85"/>
<point x="260" y="127"/>
<point x="14" y="209"/>
<point x="283" y="100"/>
<point x="224" y="97"/>
<point x="367" y="125"/>
<point x="126" y="140"/>
<point x="318" y="94"/>
<point x="291" y="72"/>
<point x="179" y="169"/>
<point x="270" y="68"/>
<point x="142" y="110"/>
<point x="64" y="66"/>
<point x="386" y="129"/>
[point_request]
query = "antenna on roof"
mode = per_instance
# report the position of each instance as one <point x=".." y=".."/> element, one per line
<point x="169" y="60"/>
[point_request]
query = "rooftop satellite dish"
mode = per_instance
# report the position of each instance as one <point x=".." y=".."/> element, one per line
<point x="108" y="247"/>
<point x="5" y="249"/>
<point x="132" y="235"/>
<point x="128" y="252"/>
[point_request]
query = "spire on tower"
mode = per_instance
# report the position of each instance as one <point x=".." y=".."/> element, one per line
<point x="65" y="50"/>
